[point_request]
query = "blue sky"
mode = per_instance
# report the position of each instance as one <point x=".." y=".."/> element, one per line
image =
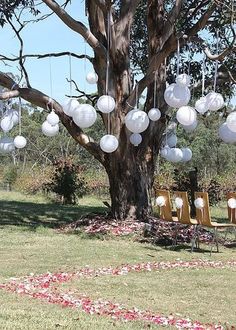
<point x="50" y="35"/>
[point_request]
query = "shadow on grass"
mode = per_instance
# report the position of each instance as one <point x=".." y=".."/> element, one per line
<point x="33" y="215"/>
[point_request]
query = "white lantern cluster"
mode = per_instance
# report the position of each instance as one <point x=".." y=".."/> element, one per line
<point x="136" y="121"/>
<point x="109" y="143"/>
<point x="176" y="155"/>
<point x="135" y="139"/>
<point x="6" y="144"/>
<point x="9" y="120"/>
<point x="212" y="101"/>
<point x="50" y="126"/>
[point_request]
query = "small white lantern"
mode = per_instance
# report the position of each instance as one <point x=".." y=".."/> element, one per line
<point x="69" y="106"/>
<point x="215" y="101"/>
<point x="232" y="203"/>
<point x="135" y="139"/>
<point x="106" y="103"/>
<point x="231" y="121"/>
<point x="226" y="134"/>
<point x="160" y="201"/>
<point x="183" y="80"/>
<point x="199" y="203"/>
<point x="6" y="124"/>
<point x="202" y="105"/>
<point x="172" y="140"/>
<point x="50" y="130"/>
<point x="177" y="96"/>
<point x="179" y="202"/>
<point x="6" y="145"/>
<point x="84" y="116"/>
<point x="20" y="141"/>
<point x="190" y="128"/>
<point x="186" y="115"/>
<point x="175" y="155"/>
<point x="187" y="154"/>
<point x="14" y="115"/>
<point x="136" y="121"/>
<point x="154" y="114"/>
<point x="92" y="78"/>
<point x="164" y="152"/>
<point x="109" y="143"/>
<point x="52" y="118"/>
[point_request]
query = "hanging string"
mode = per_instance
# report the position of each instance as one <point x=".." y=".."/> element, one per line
<point x="136" y="95"/>
<point x="155" y="90"/>
<point x="203" y="73"/>
<point x="20" y="116"/>
<point x="50" y="74"/>
<point x="70" y="68"/>
<point x="85" y="64"/>
<point x="178" y="56"/>
<point x="189" y="60"/>
<point x="108" y="66"/>
<point x="217" y="62"/>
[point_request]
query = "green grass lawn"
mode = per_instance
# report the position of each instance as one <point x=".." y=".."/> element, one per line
<point x="29" y="244"/>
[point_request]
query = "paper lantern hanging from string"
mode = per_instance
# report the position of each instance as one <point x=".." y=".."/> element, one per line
<point x="6" y="124"/>
<point x="52" y="118"/>
<point x="69" y="106"/>
<point x="202" y="105"/>
<point x="186" y="115"/>
<point x="20" y="141"/>
<point x="135" y="139"/>
<point x="109" y="143"/>
<point x="14" y="115"/>
<point x="187" y="154"/>
<point x="6" y="145"/>
<point x="231" y="121"/>
<point x="136" y="121"/>
<point x="226" y="134"/>
<point x="106" y="103"/>
<point x="177" y="96"/>
<point x="183" y="80"/>
<point x="50" y="130"/>
<point x="175" y="155"/>
<point x="154" y="114"/>
<point x="84" y="116"/>
<point x="215" y="101"/>
<point x="92" y="78"/>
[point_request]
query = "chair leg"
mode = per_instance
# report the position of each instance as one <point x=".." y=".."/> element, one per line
<point x="194" y="238"/>
<point x="216" y="239"/>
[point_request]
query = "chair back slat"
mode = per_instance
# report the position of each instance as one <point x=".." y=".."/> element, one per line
<point x="165" y="211"/>
<point x="231" y="212"/>
<point x="183" y="214"/>
<point x="203" y="215"/>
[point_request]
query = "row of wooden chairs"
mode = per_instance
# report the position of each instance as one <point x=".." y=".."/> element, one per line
<point x="203" y="217"/>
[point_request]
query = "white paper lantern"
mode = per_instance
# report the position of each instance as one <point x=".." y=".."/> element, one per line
<point x="6" y="124"/>
<point x="187" y="154"/>
<point x="52" y="118"/>
<point x="6" y="144"/>
<point x="109" y="143"/>
<point x="199" y="203"/>
<point x="202" y="105"/>
<point x="231" y="121"/>
<point x="135" y="139"/>
<point x="14" y="115"/>
<point x="232" y="203"/>
<point x="171" y="140"/>
<point x="50" y="130"/>
<point x="69" y="106"/>
<point x="92" y="78"/>
<point x="179" y="202"/>
<point x="186" y="115"/>
<point x="106" y="103"/>
<point x="215" y="101"/>
<point x="20" y="141"/>
<point x="183" y="80"/>
<point x="226" y="134"/>
<point x="177" y="96"/>
<point x="160" y="201"/>
<point x="175" y="155"/>
<point x="164" y="152"/>
<point x="154" y="114"/>
<point x="136" y="121"/>
<point x="190" y="128"/>
<point x="84" y="116"/>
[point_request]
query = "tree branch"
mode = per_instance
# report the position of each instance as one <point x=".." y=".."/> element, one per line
<point x="40" y="99"/>
<point x="76" y="26"/>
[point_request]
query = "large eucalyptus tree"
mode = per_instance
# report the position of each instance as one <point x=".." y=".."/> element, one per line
<point x="143" y="37"/>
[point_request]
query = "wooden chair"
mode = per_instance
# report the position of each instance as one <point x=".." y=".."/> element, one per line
<point x="204" y="218"/>
<point x="183" y="215"/>
<point x="165" y="211"/>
